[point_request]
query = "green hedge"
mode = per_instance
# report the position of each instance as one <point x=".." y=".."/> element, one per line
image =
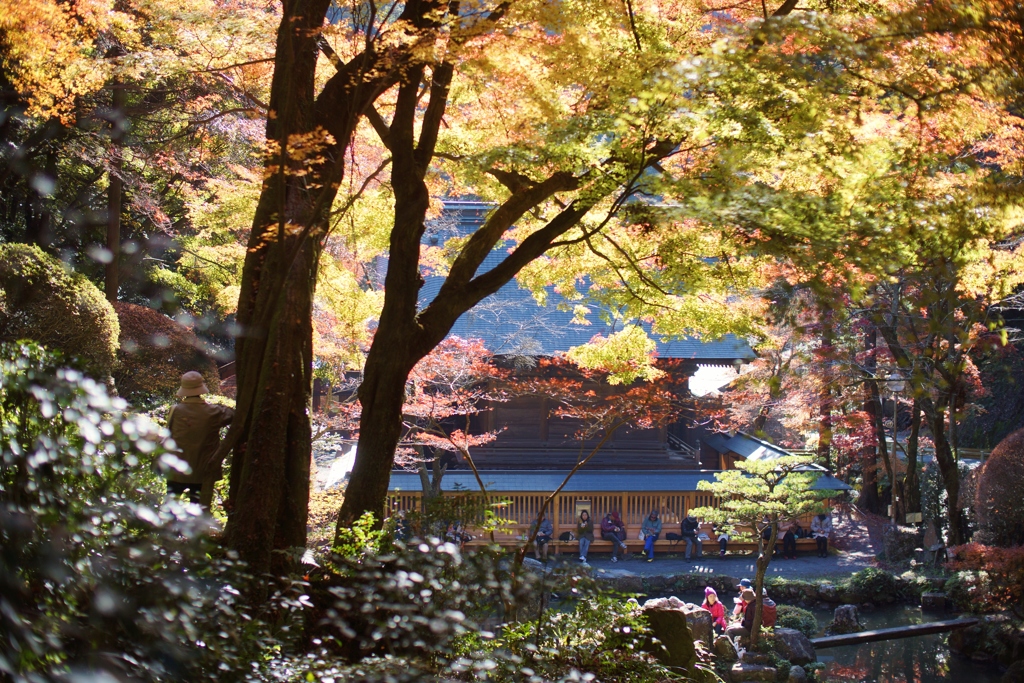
<point x="42" y="301"/>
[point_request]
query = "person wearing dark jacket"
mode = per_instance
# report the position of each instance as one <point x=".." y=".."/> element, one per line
<point x="689" y="529"/>
<point x="769" y="612"/>
<point x="544" y="533"/>
<point x="789" y="540"/>
<point x="613" y="530"/>
<point x="195" y="428"/>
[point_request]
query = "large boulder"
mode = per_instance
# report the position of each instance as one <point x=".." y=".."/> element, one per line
<point x="845" y="620"/>
<point x="673" y="642"/>
<point x="742" y="671"/>
<point x="725" y="649"/>
<point x="697" y="618"/>
<point x="701" y="625"/>
<point x="794" y="646"/>
<point x="797" y="674"/>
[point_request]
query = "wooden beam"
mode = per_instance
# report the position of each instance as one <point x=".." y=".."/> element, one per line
<point x="909" y="631"/>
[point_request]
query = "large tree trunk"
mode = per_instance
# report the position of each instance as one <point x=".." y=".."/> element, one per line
<point x="912" y="484"/>
<point x="271" y="432"/>
<point x="307" y="135"/>
<point x="869" y="500"/>
<point x="825" y="397"/>
<point x="935" y="414"/>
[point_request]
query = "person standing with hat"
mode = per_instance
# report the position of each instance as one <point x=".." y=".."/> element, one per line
<point x="195" y="427"/>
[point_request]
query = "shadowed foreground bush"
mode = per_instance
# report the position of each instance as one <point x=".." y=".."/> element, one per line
<point x="97" y="573"/>
<point x="103" y="580"/>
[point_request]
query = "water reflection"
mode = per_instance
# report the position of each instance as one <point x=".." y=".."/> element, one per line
<point x="908" y="660"/>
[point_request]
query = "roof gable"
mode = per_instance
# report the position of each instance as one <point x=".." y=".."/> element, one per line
<point x="511" y="322"/>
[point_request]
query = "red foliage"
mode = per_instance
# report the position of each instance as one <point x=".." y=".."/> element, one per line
<point x="1005" y="569"/>
<point x="998" y="502"/>
<point x="154" y="352"/>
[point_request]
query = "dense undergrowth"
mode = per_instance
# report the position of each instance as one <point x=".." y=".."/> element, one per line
<point x="101" y="578"/>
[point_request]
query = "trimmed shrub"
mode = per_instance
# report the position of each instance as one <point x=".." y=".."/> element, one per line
<point x="987" y="578"/>
<point x="41" y="301"/>
<point x="876" y="585"/>
<point x="998" y="502"/>
<point x="797" y="618"/>
<point x="155" y="352"/>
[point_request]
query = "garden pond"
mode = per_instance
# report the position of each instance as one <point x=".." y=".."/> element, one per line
<point x="907" y="660"/>
<point x="921" y="659"/>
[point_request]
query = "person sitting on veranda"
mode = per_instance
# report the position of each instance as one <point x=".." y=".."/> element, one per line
<point x="789" y="540"/>
<point x="689" y="529"/>
<point x="650" y="529"/>
<point x="545" y="532"/>
<point x="613" y="530"/>
<point x="585" y="534"/>
<point x="723" y="540"/>
<point x="821" y="529"/>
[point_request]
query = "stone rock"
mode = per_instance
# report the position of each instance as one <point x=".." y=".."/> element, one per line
<point x="699" y="621"/>
<point x="935" y="602"/>
<point x="674" y="646"/>
<point x="845" y="620"/>
<point x="697" y="618"/>
<point x="725" y="649"/>
<point x="751" y="657"/>
<point x="797" y="675"/>
<point x="742" y="671"/>
<point x="659" y="584"/>
<point x="533" y="565"/>
<point x="630" y="583"/>
<point x="1014" y="674"/>
<point x="794" y="646"/>
<point x="828" y="592"/>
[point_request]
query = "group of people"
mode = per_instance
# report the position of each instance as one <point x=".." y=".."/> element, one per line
<point x="742" y="612"/>
<point x="614" y="530"/>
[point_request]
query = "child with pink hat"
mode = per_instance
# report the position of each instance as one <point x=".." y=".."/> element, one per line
<point x="714" y="605"/>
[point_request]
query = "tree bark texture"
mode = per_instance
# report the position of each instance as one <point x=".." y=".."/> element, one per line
<point x="825" y="398"/>
<point x="869" y="454"/>
<point x="912" y="484"/>
<point x="934" y="412"/>
<point x="271" y="432"/>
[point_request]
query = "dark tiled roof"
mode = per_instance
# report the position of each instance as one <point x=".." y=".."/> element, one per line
<point x="751" y="447"/>
<point x="547" y="481"/>
<point x="720" y="442"/>
<point x="511" y="322"/>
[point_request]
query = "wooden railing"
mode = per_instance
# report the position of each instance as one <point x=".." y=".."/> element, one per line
<point x="521" y="509"/>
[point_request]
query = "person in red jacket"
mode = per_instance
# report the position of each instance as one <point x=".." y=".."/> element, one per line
<point x="715" y="606"/>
